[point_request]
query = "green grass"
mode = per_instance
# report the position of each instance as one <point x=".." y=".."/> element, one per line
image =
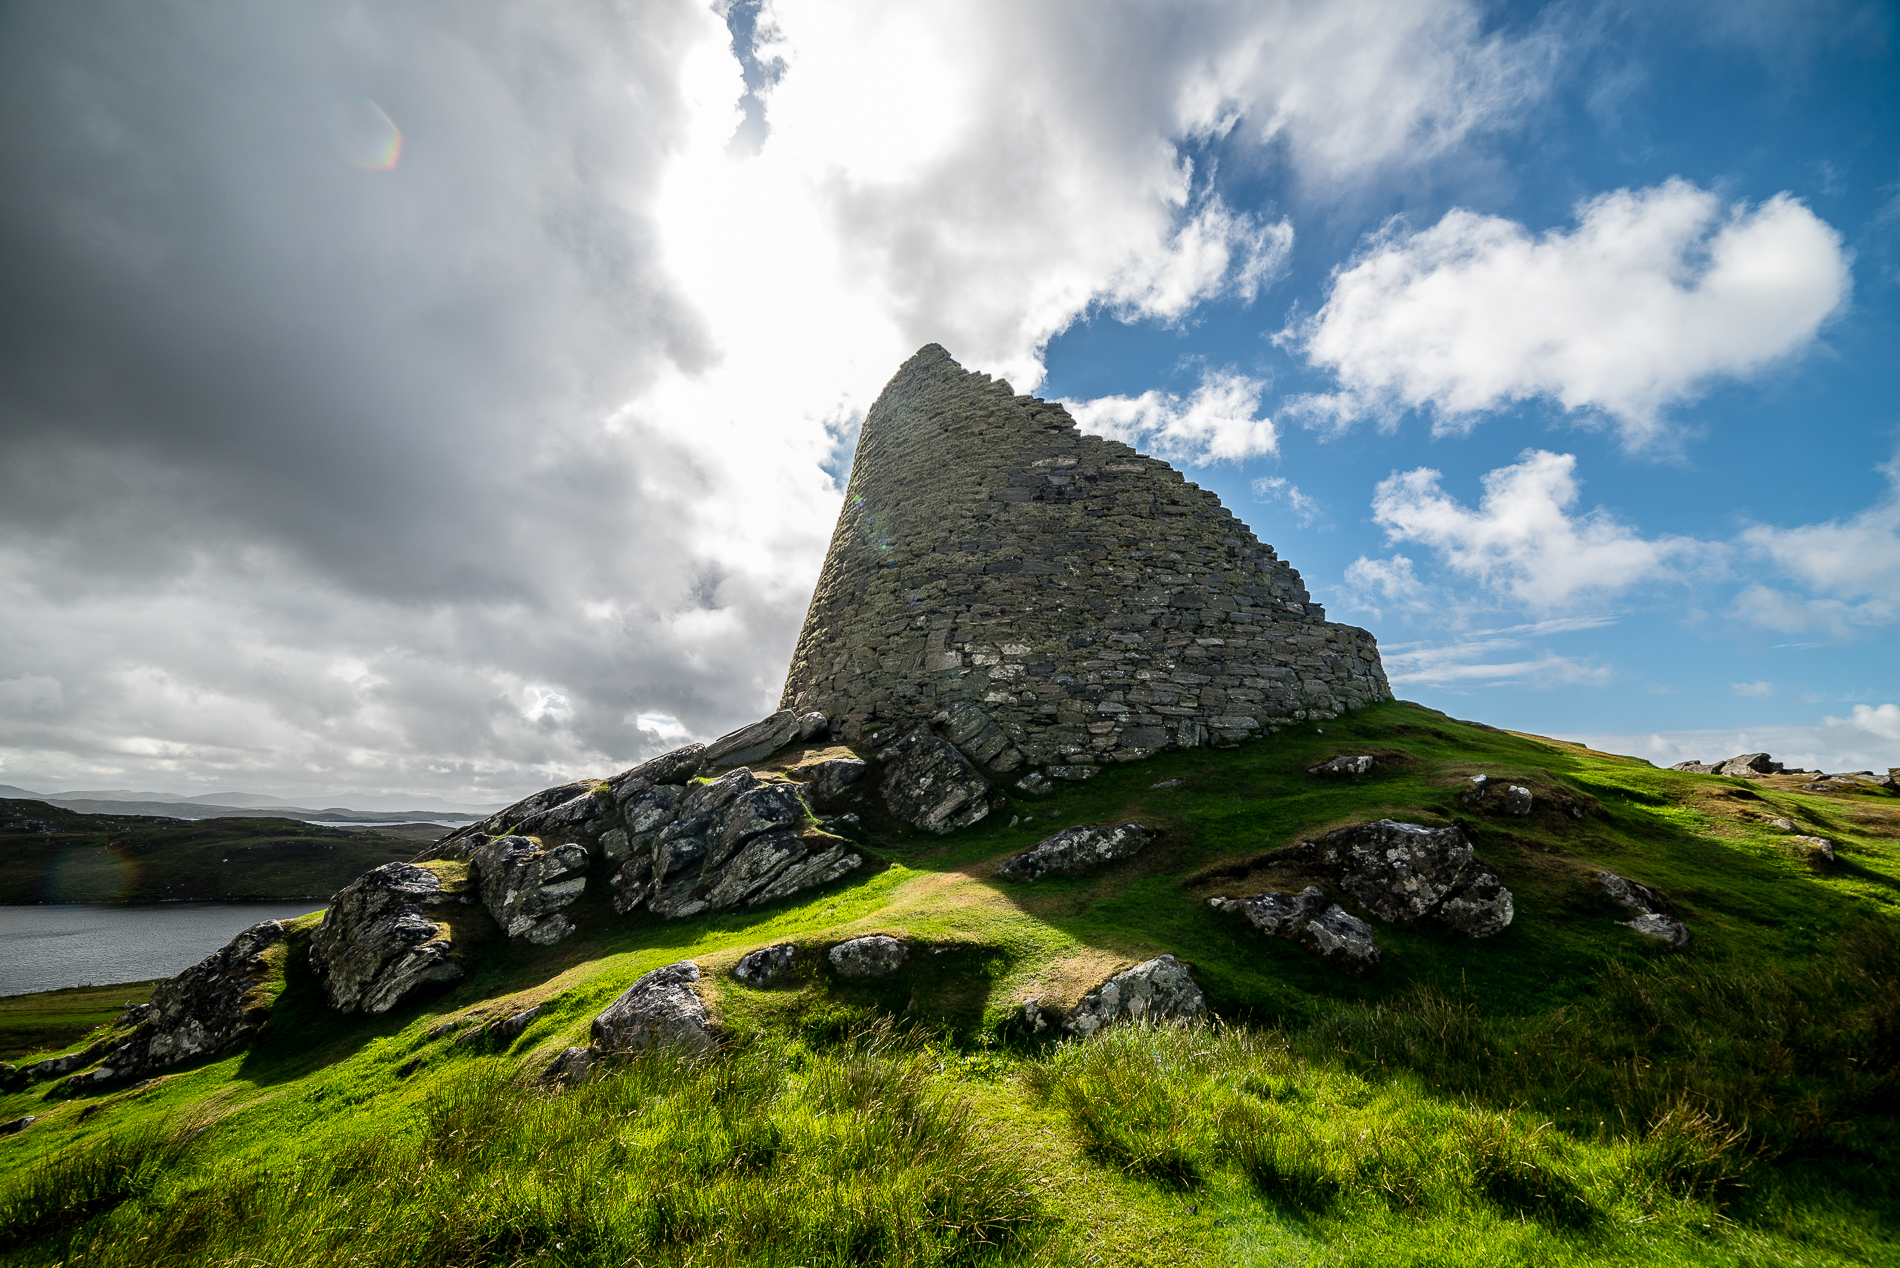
<point x="50" y="855"/>
<point x="1562" y="1093"/>
<point x="51" y="1020"/>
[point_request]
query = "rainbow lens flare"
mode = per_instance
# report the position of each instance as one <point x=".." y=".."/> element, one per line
<point x="365" y="136"/>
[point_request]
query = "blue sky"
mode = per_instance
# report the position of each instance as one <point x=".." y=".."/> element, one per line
<point x="435" y="401"/>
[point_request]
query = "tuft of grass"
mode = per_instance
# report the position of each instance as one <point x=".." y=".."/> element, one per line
<point x="82" y="1181"/>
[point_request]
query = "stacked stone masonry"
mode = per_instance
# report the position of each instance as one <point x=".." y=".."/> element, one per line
<point x="1093" y="603"/>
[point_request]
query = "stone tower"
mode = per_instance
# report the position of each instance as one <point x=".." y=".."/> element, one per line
<point x="994" y="564"/>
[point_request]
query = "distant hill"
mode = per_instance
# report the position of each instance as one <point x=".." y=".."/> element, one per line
<point x="51" y="854"/>
<point x="225" y="806"/>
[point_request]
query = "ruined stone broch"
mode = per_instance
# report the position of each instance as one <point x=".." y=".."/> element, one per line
<point x="1087" y="599"/>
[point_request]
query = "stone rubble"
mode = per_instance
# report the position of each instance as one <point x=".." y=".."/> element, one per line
<point x="1325" y="928"/>
<point x="1360" y="765"/>
<point x="376" y="947"/>
<point x="1078" y="849"/>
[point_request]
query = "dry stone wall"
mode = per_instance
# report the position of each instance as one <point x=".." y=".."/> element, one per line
<point x="1093" y="604"/>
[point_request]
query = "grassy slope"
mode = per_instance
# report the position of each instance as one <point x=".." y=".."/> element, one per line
<point x="1563" y="1092"/>
<point x="52" y="855"/>
<point x="51" y="1020"/>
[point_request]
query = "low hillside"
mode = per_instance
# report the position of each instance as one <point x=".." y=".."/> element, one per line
<point x="1566" y="1091"/>
<point x="51" y="855"/>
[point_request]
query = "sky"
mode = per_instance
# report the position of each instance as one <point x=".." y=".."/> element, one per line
<point x="430" y="402"/>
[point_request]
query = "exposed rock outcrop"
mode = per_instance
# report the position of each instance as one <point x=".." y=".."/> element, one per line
<point x="828" y="781"/>
<point x="1078" y="849"/>
<point x="1407" y="872"/>
<point x="734" y="841"/>
<point x="1359" y="765"/>
<point x="1654" y="918"/>
<point x="751" y="743"/>
<point x="1160" y="990"/>
<point x="376" y="946"/>
<point x="1309" y="918"/>
<point x="875" y="955"/>
<point x="660" y="1009"/>
<point x="526" y="888"/>
<point x="212" y="1007"/>
<point x="929" y="784"/>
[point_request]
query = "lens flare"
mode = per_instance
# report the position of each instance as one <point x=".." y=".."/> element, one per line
<point x="366" y="137"/>
<point x="873" y="533"/>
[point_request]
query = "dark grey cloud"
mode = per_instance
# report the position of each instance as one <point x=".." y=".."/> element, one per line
<point x="262" y="410"/>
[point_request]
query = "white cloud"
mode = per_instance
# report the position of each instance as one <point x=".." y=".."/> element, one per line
<point x="544" y="411"/>
<point x="1654" y="295"/>
<point x="1377" y="584"/>
<point x="1497" y="657"/>
<point x="1870" y="740"/>
<point x="1219" y="422"/>
<point x="1522" y="539"/>
<point x="1757" y="688"/>
<point x="1854" y="563"/>
<point x="1280" y="489"/>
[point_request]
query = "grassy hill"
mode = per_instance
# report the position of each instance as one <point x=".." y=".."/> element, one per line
<point x="50" y="855"/>
<point x="1566" y="1092"/>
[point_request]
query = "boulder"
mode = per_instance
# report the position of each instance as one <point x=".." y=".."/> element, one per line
<point x="1632" y="894"/>
<point x="571" y="1067"/>
<point x="1160" y="991"/>
<point x="751" y="743"/>
<point x="1035" y="783"/>
<point x="525" y="887"/>
<point x="1697" y="768"/>
<point x="13" y="1127"/>
<point x="1479" y="905"/>
<point x="827" y="781"/>
<point x="930" y="785"/>
<point x="1815" y="849"/>
<point x="376" y="946"/>
<point x="810" y="726"/>
<point x="1328" y="930"/>
<point x="1361" y="765"/>
<point x="977" y="736"/>
<point x="1749" y="766"/>
<point x="1662" y="928"/>
<point x="1406" y="872"/>
<point x="876" y="955"/>
<point x="1483" y="792"/>
<point x="1072" y="774"/>
<point x="660" y="1009"/>
<point x="211" y="1007"/>
<point x="766" y="965"/>
<point x="1077" y="849"/>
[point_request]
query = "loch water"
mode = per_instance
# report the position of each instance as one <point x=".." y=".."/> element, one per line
<point x="43" y="948"/>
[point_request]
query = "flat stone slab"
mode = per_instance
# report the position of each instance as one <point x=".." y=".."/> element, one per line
<point x="1078" y="849"/>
